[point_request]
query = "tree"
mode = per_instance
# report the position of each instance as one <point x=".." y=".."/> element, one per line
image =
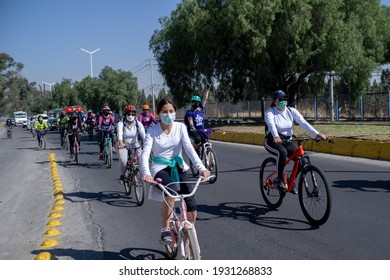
<point x="118" y="88"/>
<point x="9" y="79"/>
<point x="245" y="47"/>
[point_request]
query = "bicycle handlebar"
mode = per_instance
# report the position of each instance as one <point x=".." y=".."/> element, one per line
<point x="165" y="188"/>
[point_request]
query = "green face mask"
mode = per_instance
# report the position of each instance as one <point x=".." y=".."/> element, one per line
<point x="282" y="104"/>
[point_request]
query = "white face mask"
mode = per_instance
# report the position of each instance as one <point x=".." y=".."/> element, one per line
<point x="130" y="118"/>
<point x="168" y="118"/>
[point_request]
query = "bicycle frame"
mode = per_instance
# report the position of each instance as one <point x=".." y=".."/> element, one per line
<point x="75" y="141"/>
<point x="107" y="139"/>
<point x="296" y="156"/>
<point x="131" y="162"/>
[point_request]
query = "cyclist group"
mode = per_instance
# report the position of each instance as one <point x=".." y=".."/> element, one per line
<point x="162" y="143"/>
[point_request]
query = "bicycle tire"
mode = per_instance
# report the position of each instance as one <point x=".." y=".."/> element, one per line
<point x="139" y="187"/>
<point x="44" y="143"/>
<point x="90" y="133"/>
<point x="191" y="244"/>
<point x="272" y="196"/>
<point x="109" y="154"/>
<point x="212" y="164"/>
<point x="126" y="181"/>
<point x="105" y="156"/>
<point x="172" y="249"/>
<point x="314" y="196"/>
<point x="76" y="150"/>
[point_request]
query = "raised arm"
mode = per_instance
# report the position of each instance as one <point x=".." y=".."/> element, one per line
<point x="205" y="95"/>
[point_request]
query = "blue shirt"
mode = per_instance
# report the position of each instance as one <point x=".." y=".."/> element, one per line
<point x="197" y="117"/>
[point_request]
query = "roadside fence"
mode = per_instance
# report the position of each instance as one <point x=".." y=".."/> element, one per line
<point x="371" y="106"/>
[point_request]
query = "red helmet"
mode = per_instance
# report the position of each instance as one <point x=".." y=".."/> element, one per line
<point x="129" y="108"/>
<point x="106" y="108"/>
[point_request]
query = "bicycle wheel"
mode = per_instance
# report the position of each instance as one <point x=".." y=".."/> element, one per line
<point x="314" y="196"/>
<point x="126" y="181"/>
<point x="109" y="154"/>
<point x="139" y="187"/>
<point x="212" y="164"/>
<point x="44" y="143"/>
<point x="76" y="151"/>
<point x="90" y="133"/>
<point x="172" y="249"/>
<point x="272" y="196"/>
<point x="191" y="245"/>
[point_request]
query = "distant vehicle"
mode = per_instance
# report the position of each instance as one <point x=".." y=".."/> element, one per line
<point x="44" y="117"/>
<point x="52" y="124"/>
<point x="20" y="118"/>
<point x="71" y="109"/>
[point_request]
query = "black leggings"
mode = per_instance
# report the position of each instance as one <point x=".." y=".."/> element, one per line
<point x="165" y="175"/>
<point x="196" y="136"/>
<point x="281" y="151"/>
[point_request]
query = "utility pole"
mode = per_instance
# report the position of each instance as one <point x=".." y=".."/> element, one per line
<point x="90" y="57"/>
<point x="152" y="84"/>
<point x="332" y="73"/>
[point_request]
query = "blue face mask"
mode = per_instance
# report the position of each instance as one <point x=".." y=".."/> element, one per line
<point x="167" y="119"/>
<point x="282" y="104"/>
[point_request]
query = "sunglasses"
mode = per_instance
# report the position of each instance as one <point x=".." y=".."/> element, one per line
<point x="130" y="114"/>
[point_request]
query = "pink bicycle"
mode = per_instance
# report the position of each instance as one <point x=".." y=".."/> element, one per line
<point x="182" y="231"/>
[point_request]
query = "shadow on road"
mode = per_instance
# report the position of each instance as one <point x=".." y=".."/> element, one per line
<point x="118" y="199"/>
<point x="124" y="254"/>
<point x="363" y="185"/>
<point x="253" y="213"/>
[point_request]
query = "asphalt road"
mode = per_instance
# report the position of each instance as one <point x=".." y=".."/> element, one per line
<point x="100" y="222"/>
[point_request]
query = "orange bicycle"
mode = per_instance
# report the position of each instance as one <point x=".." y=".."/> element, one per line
<point x="313" y="190"/>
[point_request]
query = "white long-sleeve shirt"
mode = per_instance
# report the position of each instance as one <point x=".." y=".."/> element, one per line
<point x="128" y="132"/>
<point x="282" y="122"/>
<point x="167" y="146"/>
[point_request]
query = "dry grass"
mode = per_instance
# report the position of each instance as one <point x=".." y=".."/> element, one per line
<point x="371" y="132"/>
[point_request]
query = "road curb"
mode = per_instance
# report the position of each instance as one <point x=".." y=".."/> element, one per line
<point x="51" y="237"/>
<point x="339" y="146"/>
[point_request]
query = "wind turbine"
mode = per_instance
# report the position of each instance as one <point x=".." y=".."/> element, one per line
<point x="90" y="57"/>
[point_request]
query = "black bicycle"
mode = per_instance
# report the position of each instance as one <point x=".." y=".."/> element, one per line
<point x="133" y="176"/>
<point x="76" y="147"/>
<point x="9" y="132"/>
<point x="208" y="156"/>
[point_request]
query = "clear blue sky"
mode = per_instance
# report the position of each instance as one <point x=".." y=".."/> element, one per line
<point x="45" y="35"/>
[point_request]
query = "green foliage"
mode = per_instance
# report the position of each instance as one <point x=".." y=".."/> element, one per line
<point x="250" y="48"/>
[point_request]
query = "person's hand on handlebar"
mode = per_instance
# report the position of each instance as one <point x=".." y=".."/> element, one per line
<point x="322" y="136"/>
<point x="148" y="179"/>
<point x="205" y="173"/>
<point x="121" y="145"/>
